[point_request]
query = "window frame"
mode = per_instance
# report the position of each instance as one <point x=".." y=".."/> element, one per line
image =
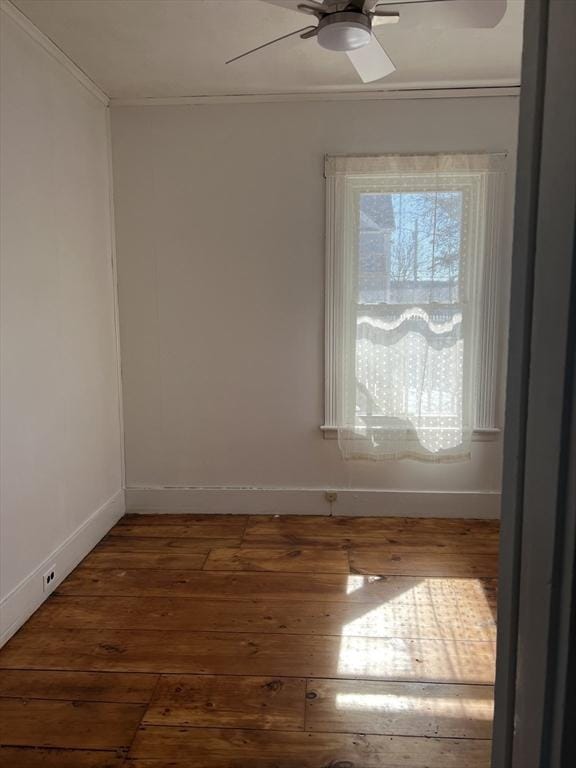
<point x="490" y="171"/>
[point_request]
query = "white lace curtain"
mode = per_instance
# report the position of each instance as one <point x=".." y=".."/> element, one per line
<point x="411" y="234"/>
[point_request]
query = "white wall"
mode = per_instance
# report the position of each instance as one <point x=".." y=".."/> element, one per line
<point x="61" y="439"/>
<point x="220" y="236"/>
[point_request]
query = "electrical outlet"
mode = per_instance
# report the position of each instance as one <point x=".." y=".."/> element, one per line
<point x="49" y="578"/>
<point x="331" y="496"/>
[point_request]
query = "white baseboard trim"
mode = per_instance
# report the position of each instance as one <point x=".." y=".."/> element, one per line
<point x="242" y="501"/>
<point x="28" y="595"/>
<point x="473" y="505"/>
<point x="306" y="501"/>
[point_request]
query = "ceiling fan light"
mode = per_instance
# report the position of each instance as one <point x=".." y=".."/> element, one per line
<point x="344" y="31"/>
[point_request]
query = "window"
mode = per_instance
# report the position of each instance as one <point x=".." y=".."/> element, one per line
<point x="412" y="277"/>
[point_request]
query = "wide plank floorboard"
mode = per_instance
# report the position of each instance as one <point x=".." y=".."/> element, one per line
<point x="77" y="686"/>
<point x="185" y="531"/>
<point x="401" y="709"/>
<point x="390" y="541"/>
<point x="220" y="522"/>
<point x="224" y="653"/>
<point x="468" y="565"/>
<point x="144" y="560"/>
<point x="68" y="724"/>
<point x="31" y="757"/>
<point x="385" y="534"/>
<point x="285" y="559"/>
<point x="451" y="618"/>
<point x="342" y="526"/>
<point x="219" y="701"/>
<point x="136" y="544"/>
<point x="202" y="525"/>
<point x="274" y="586"/>
<point x="214" y="748"/>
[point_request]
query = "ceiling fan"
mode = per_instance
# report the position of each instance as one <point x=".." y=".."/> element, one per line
<point x="347" y="26"/>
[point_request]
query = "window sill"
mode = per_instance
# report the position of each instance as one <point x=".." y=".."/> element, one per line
<point x="478" y="436"/>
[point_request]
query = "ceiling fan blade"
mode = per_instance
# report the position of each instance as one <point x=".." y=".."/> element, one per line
<point x="385" y="17"/>
<point x="447" y="14"/>
<point x="322" y="6"/>
<point x="271" y="42"/>
<point x="292" y="5"/>
<point x="371" y="62"/>
<point x="314" y="10"/>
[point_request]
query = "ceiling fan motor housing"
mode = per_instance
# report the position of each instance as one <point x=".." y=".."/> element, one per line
<point x="344" y="31"/>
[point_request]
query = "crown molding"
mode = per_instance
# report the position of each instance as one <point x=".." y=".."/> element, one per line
<point x="356" y="95"/>
<point x="51" y="48"/>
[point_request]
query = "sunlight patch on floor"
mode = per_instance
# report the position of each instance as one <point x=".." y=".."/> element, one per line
<point x="408" y="636"/>
<point x="470" y="707"/>
<point x="354" y="583"/>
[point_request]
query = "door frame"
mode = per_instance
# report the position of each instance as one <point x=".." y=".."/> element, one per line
<point x="537" y="605"/>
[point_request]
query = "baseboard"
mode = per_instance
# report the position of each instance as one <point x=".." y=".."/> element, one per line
<point x="26" y="597"/>
<point x="242" y="501"/>
<point x="466" y="504"/>
<point x="305" y="501"/>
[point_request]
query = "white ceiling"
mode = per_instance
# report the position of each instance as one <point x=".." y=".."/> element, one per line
<point x="177" y="48"/>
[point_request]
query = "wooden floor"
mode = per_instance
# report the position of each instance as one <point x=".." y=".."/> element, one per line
<point x="261" y="642"/>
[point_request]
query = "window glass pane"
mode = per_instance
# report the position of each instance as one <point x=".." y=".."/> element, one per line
<point x="409" y="246"/>
<point x="409" y="361"/>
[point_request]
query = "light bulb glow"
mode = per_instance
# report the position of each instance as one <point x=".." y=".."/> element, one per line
<point x="344" y="31"/>
<point x="344" y="36"/>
